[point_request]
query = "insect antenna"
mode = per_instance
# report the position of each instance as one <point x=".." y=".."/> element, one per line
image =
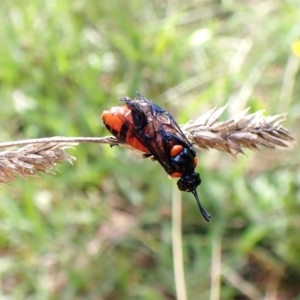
<point x="203" y="211"/>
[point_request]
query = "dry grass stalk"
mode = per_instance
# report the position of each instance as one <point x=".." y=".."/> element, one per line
<point x="32" y="158"/>
<point x="241" y="131"/>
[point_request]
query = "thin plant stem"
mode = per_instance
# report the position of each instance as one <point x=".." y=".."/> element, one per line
<point x="242" y="285"/>
<point x="177" y="244"/>
<point x="215" y="270"/>
<point x="61" y="139"/>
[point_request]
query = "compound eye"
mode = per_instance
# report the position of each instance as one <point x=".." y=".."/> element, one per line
<point x="189" y="183"/>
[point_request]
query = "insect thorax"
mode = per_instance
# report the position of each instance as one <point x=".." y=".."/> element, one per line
<point x="184" y="161"/>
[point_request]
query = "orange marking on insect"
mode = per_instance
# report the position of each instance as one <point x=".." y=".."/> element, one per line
<point x="195" y="161"/>
<point x="135" y="143"/>
<point x="176" y="149"/>
<point x="114" y="120"/>
<point x="104" y="115"/>
<point x="176" y="174"/>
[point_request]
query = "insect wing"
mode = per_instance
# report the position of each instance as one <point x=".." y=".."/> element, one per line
<point x="168" y="122"/>
<point x="156" y="130"/>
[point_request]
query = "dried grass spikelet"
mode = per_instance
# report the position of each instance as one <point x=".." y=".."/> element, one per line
<point x="241" y="131"/>
<point x="32" y="158"/>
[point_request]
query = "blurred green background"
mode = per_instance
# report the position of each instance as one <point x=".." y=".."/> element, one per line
<point x="101" y="229"/>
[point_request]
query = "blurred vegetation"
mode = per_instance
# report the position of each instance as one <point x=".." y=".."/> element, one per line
<point x="101" y="229"/>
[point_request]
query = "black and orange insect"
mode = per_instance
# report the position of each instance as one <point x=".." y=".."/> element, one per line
<point x="147" y="127"/>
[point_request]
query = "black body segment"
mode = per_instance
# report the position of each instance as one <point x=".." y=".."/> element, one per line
<point x="154" y="130"/>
